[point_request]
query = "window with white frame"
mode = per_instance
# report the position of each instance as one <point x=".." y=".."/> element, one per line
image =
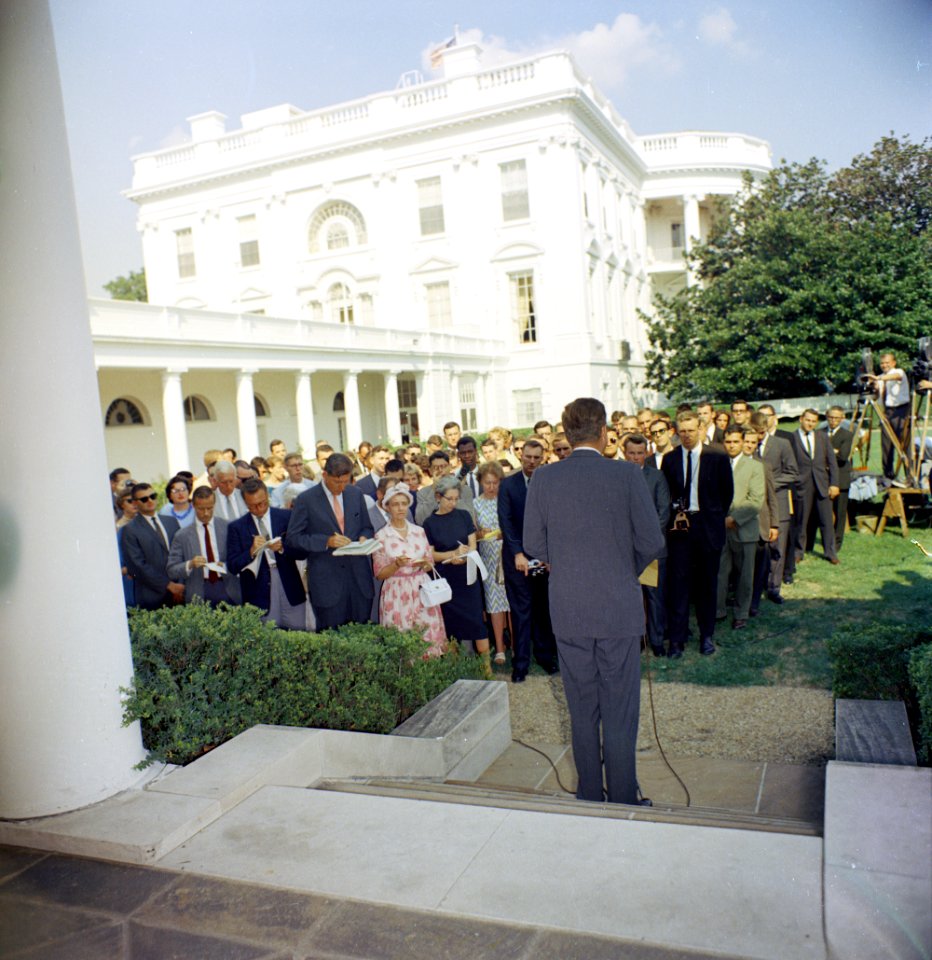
<point x="468" y="405"/>
<point x="522" y="306"/>
<point x="439" y="312"/>
<point x="248" y="230"/>
<point x="515" y="204"/>
<point x="341" y="303"/>
<point x="430" y="206"/>
<point x="334" y="226"/>
<point x="529" y="406"/>
<point x="184" y="247"/>
<point x="407" y="393"/>
<point x="676" y="235"/>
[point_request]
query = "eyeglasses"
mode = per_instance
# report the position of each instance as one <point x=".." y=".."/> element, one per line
<point x="659" y="432"/>
<point x="151" y="496"/>
<point x="450" y="499"/>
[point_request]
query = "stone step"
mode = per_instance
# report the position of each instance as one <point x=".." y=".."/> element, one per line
<point x="522" y="798"/>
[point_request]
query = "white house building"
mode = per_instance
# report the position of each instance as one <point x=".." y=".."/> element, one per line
<point x="474" y="248"/>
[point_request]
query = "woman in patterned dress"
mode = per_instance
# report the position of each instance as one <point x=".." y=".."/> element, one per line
<point x="402" y="566"/>
<point x="490" y="549"/>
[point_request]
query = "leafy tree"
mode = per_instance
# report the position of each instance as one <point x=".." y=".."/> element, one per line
<point x="131" y="287"/>
<point x="799" y="272"/>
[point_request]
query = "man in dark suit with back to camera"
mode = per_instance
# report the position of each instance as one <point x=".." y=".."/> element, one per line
<point x="701" y="491"/>
<point x="526" y="588"/>
<point x="592" y="520"/>
<point x="324" y="518"/>
<point x="146" y="541"/>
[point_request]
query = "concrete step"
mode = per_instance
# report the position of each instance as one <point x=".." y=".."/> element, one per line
<point x="523" y="798"/>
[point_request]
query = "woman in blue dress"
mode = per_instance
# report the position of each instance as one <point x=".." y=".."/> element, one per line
<point x="452" y="534"/>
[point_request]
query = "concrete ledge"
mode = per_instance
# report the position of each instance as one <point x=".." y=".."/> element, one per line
<point x="471" y="721"/>
<point x="878" y="861"/>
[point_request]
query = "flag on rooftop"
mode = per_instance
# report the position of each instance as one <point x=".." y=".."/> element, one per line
<point x="436" y="55"/>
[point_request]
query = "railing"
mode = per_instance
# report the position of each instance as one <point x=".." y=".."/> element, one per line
<point x="502" y="76"/>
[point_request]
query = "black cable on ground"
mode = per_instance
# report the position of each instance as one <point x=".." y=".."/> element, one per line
<point x="556" y="772"/>
<point x="653" y="716"/>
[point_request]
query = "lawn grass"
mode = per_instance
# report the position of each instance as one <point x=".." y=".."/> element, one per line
<point x="880" y="578"/>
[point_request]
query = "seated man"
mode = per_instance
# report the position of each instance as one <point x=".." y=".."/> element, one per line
<point x="197" y="545"/>
<point x="268" y="572"/>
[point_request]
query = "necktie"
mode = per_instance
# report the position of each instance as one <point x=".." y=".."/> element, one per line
<point x="160" y="530"/>
<point x="809" y="444"/>
<point x="338" y="511"/>
<point x="264" y="531"/>
<point x="212" y="574"/>
<point x="689" y="478"/>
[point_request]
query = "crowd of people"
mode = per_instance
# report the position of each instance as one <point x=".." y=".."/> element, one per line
<point x="269" y="531"/>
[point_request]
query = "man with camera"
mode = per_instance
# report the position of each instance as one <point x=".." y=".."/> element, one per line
<point x="893" y="389"/>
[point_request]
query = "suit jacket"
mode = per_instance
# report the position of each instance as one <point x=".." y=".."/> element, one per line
<point x="841" y="441"/>
<point x="312" y="524"/>
<point x="146" y="559"/>
<point x="186" y="546"/>
<point x="770" y="512"/>
<point x="257" y="588"/>
<point x="822" y="466"/>
<point x="593" y="521"/>
<point x="780" y="456"/>
<point x="426" y="503"/>
<point x="716" y="491"/>
<point x="238" y="503"/>
<point x="660" y="494"/>
<point x="512" y="497"/>
<point x="747" y="500"/>
<point x="367" y="485"/>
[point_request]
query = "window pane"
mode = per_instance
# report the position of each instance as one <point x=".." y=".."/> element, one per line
<point x="528" y="406"/>
<point x="439" y="314"/>
<point x="430" y="206"/>
<point x="184" y="244"/>
<point x="522" y="299"/>
<point x="515" y="204"/>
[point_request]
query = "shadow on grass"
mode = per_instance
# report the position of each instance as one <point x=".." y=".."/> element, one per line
<point x="880" y="579"/>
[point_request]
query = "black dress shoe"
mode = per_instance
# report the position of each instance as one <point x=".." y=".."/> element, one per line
<point x="788" y="580"/>
<point x="657" y="651"/>
<point x="706" y="647"/>
<point x="753" y="613"/>
<point x="774" y="597"/>
<point x="675" y="653"/>
<point x="739" y="624"/>
<point x="518" y="677"/>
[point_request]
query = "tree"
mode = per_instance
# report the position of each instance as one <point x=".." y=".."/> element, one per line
<point x="800" y="272"/>
<point x="131" y="287"/>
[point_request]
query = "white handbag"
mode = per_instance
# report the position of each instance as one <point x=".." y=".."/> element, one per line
<point x="435" y="591"/>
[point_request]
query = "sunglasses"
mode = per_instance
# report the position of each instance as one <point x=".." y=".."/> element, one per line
<point x="152" y="496"/>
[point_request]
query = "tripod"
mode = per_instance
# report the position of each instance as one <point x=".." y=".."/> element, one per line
<point x="869" y="405"/>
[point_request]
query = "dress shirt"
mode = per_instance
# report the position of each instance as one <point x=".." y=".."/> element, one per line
<point x="202" y="545"/>
<point x="156" y="525"/>
<point x="693" y="503"/>
<point x="895" y="392"/>
<point x="807" y="441"/>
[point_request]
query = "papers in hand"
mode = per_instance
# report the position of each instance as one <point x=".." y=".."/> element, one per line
<point x="217" y="567"/>
<point x="474" y="565"/>
<point x="358" y="549"/>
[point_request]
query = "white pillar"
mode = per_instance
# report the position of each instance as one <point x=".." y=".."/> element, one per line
<point x="392" y="410"/>
<point x="64" y="648"/>
<point x="482" y="403"/>
<point x="307" y="438"/>
<point x="246" y="416"/>
<point x="176" y="435"/>
<point x="422" y="391"/>
<point x="691" y="228"/>
<point x="453" y="395"/>
<point x="351" y="408"/>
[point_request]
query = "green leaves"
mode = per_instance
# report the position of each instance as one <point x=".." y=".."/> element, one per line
<point x="800" y="272"/>
<point x="130" y="287"/>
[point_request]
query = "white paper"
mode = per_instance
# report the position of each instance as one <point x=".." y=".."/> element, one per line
<point x="217" y="567"/>
<point x="356" y="549"/>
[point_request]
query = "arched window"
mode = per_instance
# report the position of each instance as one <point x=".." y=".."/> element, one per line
<point x="341" y="303"/>
<point x="196" y="409"/>
<point x="262" y="408"/>
<point x="338" y="405"/>
<point x="123" y="412"/>
<point x="336" y="225"/>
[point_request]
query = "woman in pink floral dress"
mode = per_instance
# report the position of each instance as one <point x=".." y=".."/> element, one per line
<point x="402" y="566"/>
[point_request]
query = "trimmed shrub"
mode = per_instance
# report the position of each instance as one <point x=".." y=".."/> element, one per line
<point x="871" y="662"/>
<point x="204" y="675"/>
<point x="920" y="674"/>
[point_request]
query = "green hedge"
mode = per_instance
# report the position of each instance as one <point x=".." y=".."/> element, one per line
<point x="920" y="673"/>
<point x="204" y="675"/>
<point x="871" y="662"/>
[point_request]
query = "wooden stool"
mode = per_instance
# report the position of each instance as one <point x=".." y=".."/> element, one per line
<point x="893" y="507"/>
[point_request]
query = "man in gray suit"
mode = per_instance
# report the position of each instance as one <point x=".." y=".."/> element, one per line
<point x="197" y="545"/>
<point x="427" y="502"/>
<point x="593" y="522"/>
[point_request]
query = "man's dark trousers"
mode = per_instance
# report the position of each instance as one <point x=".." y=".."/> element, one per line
<point x="692" y="568"/>
<point x="529" y="601"/>
<point x="606" y="671"/>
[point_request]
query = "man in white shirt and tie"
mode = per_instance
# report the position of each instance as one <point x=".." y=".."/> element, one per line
<point x="230" y="505"/>
<point x="469" y="464"/>
<point x="894" y="391"/>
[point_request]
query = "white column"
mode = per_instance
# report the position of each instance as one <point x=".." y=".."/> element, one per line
<point x="482" y="404"/>
<point x="691" y="228"/>
<point x="176" y="435"/>
<point x="351" y="408"/>
<point x="64" y="648"/>
<point x="307" y="438"/>
<point x="246" y="415"/>
<point x="453" y="395"/>
<point x="422" y="387"/>
<point x="392" y="410"/>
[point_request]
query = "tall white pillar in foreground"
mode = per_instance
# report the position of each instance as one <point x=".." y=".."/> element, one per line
<point x="64" y="648"/>
<point x="691" y="228"/>
<point x="176" y="434"/>
<point x="246" y="415"/>
<point x="351" y="408"/>
<point x="307" y="438"/>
